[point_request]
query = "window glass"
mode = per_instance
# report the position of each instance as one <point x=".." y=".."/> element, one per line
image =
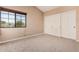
<point x="22" y="16"/>
<point x="23" y="21"/>
<point x="20" y="20"/>
<point x="4" y="14"/>
<point x="4" y="22"/>
<point x="11" y="15"/>
<point x="11" y="22"/>
<point x="18" y="16"/>
<point x="12" y="19"/>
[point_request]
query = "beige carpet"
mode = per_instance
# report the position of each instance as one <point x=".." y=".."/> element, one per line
<point x="41" y="43"/>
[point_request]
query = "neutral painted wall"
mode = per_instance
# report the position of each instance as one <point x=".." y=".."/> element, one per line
<point x="34" y="23"/>
<point x="77" y="23"/>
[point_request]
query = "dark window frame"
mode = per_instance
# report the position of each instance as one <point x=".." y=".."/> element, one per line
<point x="15" y="12"/>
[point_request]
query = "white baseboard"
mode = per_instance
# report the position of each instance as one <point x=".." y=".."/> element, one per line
<point x="20" y="38"/>
<point x="60" y="36"/>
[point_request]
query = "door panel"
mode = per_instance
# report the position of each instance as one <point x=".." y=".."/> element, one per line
<point x="63" y="24"/>
<point x="68" y="24"/>
<point x="52" y="24"/>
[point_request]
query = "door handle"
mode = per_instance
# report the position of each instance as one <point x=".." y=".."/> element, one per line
<point x="74" y="27"/>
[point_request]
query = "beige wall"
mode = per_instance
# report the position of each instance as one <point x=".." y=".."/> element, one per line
<point x="34" y="23"/>
<point x="77" y="23"/>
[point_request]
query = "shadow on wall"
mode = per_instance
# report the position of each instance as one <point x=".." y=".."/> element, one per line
<point x="0" y="31"/>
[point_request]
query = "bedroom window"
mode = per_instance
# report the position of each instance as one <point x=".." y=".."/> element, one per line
<point x="12" y="19"/>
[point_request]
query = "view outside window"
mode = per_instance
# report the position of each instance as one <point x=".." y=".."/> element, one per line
<point x="20" y="20"/>
<point x="4" y="19"/>
<point x="11" y="20"/>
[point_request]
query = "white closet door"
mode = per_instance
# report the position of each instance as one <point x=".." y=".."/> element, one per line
<point x="52" y="24"/>
<point x="68" y="24"/>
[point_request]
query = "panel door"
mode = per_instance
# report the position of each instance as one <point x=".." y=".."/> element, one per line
<point x="52" y="24"/>
<point x="68" y="24"/>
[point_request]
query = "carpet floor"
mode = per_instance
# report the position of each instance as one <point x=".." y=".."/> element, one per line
<point x="41" y="43"/>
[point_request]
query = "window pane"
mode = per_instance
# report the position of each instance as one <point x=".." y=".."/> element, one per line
<point x="11" y="15"/>
<point x="18" y="16"/>
<point x="11" y="23"/>
<point x="4" y="14"/>
<point x="8" y="20"/>
<point x="19" y="23"/>
<point x="4" y="22"/>
<point x="22" y="16"/>
<point x="23" y="23"/>
<point x="11" y="19"/>
<point x="20" y="20"/>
